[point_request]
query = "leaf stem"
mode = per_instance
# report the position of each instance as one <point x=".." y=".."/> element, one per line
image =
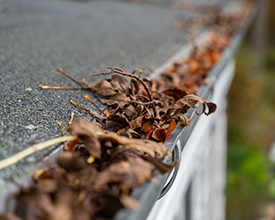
<point x="87" y="110"/>
<point x="120" y="71"/>
<point x="19" y="156"/>
<point x="87" y="97"/>
<point x="57" y="87"/>
<point x="71" y="78"/>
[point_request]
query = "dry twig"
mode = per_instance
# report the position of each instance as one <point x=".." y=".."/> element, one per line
<point x="19" y="156"/>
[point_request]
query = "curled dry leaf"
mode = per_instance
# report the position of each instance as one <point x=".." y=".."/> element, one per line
<point x="78" y="188"/>
<point x="171" y="127"/>
<point x="28" y="207"/>
<point x="118" y="99"/>
<point x="131" y="173"/>
<point x="66" y="159"/>
<point x="176" y="93"/>
<point x="86" y="133"/>
<point x="152" y="148"/>
<point x="189" y="101"/>
<point x="184" y="121"/>
<point x="103" y="88"/>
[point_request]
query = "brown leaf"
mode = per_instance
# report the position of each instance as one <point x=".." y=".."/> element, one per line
<point x="160" y="166"/>
<point x="135" y="87"/>
<point x="71" y="162"/>
<point x="131" y="173"/>
<point x="150" y="147"/>
<point x="184" y="121"/>
<point x="119" y="99"/>
<point x="130" y="133"/>
<point x="47" y="185"/>
<point x="121" y="130"/>
<point x="171" y="127"/>
<point x="9" y="216"/>
<point x="69" y="203"/>
<point x="86" y="131"/>
<point x="189" y="101"/>
<point x="159" y="134"/>
<point x="176" y="93"/>
<point x="121" y="153"/>
<point x="136" y="123"/>
<point x="103" y="88"/>
<point x="28" y="207"/>
<point x="129" y="111"/>
<point x="97" y="115"/>
<point x="147" y="127"/>
<point x="139" y="110"/>
<point x="116" y="122"/>
<point x="120" y="83"/>
<point x="71" y="145"/>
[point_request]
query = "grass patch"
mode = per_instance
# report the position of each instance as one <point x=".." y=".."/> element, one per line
<point x="251" y="127"/>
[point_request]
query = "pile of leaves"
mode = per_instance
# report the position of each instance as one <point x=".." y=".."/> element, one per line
<point x="111" y="156"/>
<point x="140" y="109"/>
<point x="119" y="150"/>
<point x="92" y="178"/>
<point x="214" y="17"/>
<point x="189" y="74"/>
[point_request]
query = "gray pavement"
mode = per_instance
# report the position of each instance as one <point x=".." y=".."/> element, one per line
<point x="82" y="37"/>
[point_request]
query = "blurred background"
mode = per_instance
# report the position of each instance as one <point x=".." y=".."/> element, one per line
<point x="251" y="123"/>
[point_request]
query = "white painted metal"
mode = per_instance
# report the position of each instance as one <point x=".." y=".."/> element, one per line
<point x="198" y="191"/>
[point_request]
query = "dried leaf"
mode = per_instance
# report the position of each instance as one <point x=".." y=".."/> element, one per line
<point x="136" y="123"/>
<point x="131" y="173"/>
<point x="160" y="166"/>
<point x="116" y="122"/>
<point x="47" y="185"/>
<point x="86" y="131"/>
<point x="150" y="147"/>
<point x="184" y="121"/>
<point x="171" y="127"/>
<point x="176" y="93"/>
<point x="129" y="111"/>
<point x="9" y="216"/>
<point x="69" y="203"/>
<point x="147" y="127"/>
<point x="189" y="101"/>
<point x="28" y="207"/>
<point x="103" y="88"/>
<point x="71" y="162"/>
<point x="119" y="99"/>
<point x="130" y="133"/>
<point x="120" y="83"/>
<point x="159" y="134"/>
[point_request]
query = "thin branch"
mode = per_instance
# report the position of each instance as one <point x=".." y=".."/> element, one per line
<point x="60" y="127"/>
<point x="119" y="71"/>
<point x="140" y="103"/>
<point x="136" y="71"/>
<point x="38" y="147"/>
<point x="87" y="97"/>
<point x="102" y="73"/>
<point x="71" y="119"/>
<point x="71" y="78"/>
<point x="87" y="110"/>
<point x="68" y="88"/>
<point x="57" y="87"/>
<point x="84" y="81"/>
<point x="142" y="96"/>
